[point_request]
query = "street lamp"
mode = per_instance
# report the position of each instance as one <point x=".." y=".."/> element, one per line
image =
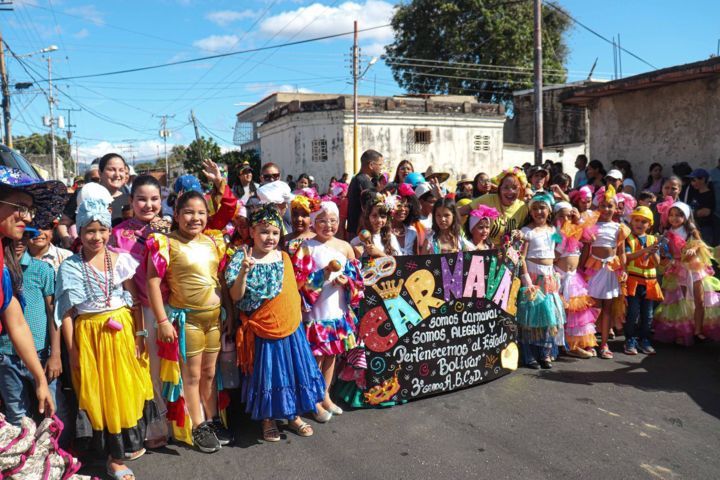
<point x="52" y="121"/>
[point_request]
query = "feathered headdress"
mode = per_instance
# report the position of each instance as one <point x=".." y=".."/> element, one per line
<point x="583" y="193"/>
<point x="307" y="200"/>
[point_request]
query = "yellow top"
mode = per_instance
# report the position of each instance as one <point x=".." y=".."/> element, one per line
<point x="511" y="218"/>
<point x="192" y="273"/>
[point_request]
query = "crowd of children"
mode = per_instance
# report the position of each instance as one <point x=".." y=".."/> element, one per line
<point x="139" y="314"/>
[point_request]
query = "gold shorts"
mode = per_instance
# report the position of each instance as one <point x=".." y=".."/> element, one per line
<point x="202" y="332"/>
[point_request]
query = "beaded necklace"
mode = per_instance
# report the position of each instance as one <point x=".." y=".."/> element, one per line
<point x="105" y="285"/>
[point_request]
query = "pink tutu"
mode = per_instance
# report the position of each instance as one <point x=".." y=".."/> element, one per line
<point x="581" y="313"/>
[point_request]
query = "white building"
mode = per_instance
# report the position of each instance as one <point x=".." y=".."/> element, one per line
<point x="313" y="134"/>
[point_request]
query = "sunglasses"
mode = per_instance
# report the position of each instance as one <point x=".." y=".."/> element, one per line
<point x="271" y="176"/>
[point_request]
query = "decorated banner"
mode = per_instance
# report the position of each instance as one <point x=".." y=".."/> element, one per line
<point x="436" y="323"/>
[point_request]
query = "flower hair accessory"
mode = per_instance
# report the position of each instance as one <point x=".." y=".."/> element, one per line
<point x="583" y="193"/>
<point x="481" y="213"/>
<point x="307" y="200"/>
<point x="518" y="172"/>
<point x="610" y="194"/>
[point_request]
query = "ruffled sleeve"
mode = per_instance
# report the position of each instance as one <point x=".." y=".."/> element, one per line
<point x="69" y="289"/>
<point x="226" y="210"/>
<point x="125" y="267"/>
<point x="158" y="249"/>
<point x="355" y="286"/>
<point x="623" y="233"/>
<point x="310" y="279"/>
<point x="217" y="238"/>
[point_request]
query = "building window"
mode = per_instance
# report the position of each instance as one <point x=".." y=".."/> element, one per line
<point x="319" y="150"/>
<point x="481" y="143"/>
<point x="423" y="136"/>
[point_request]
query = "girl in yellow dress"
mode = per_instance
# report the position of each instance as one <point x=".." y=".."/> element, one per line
<point x="105" y="338"/>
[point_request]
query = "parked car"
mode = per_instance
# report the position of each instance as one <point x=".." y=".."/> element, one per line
<point x="12" y="158"/>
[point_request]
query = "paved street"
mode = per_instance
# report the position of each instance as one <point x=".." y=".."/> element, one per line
<point x="632" y="417"/>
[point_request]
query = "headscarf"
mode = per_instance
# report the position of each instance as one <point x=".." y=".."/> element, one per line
<point x="93" y="210"/>
<point x="482" y="212"/>
<point x="544" y="197"/>
<point x="583" y="193"/>
<point x="274" y="192"/>
<point x="560" y="205"/>
<point x="684" y="208"/>
<point x="186" y="183"/>
<point x="519" y="173"/>
<point x="267" y="213"/>
<point x="329" y="208"/>
<point x="93" y="191"/>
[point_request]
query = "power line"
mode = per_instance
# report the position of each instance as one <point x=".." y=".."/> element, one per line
<point x="210" y="57"/>
<point x="575" y="20"/>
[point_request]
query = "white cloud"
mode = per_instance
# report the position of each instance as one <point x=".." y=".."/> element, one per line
<point x="82" y="33"/>
<point x="373" y="49"/>
<point x="226" y="17"/>
<point x="89" y="13"/>
<point x="318" y="20"/>
<point x="144" y="151"/>
<point x="217" y="43"/>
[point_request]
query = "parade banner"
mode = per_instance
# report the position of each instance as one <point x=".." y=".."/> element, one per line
<point x="437" y="323"/>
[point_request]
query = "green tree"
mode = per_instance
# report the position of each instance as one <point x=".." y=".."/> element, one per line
<point x="234" y="158"/>
<point x="485" y="41"/>
<point x="198" y="151"/>
<point x="37" y="144"/>
<point x="144" y="166"/>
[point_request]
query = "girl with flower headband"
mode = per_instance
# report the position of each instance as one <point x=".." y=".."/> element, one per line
<point x="691" y="308"/>
<point x="187" y="262"/>
<point x="104" y="331"/>
<point x="580" y="311"/>
<point x="302" y="205"/>
<point x="378" y="240"/>
<point x="130" y="236"/>
<point x="604" y="268"/>
<point x="540" y="313"/>
<point x="508" y="201"/>
<point x="446" y="235"/>
<point x="330" y="284"/>
<point x="480" y="221"/>
<point x="405" y="221"/>
<point x="281" y="378"/>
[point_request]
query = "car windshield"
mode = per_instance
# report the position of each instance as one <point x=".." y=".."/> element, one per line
<point x="13" y="159"/>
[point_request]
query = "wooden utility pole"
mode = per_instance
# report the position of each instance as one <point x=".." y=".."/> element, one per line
<point x="5" y="96"/>
<point x="538" y="83"/>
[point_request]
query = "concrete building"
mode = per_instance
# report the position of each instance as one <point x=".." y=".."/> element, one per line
<point x="309" y="133"/>
<point x="564" y="126"/>
<point x="666" y="116"/>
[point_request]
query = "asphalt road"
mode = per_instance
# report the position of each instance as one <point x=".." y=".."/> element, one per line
<point x="631" y="417"/>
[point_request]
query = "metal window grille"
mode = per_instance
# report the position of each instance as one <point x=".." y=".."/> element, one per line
<point x="481" y="143"/>
<point x="319" y="150"/>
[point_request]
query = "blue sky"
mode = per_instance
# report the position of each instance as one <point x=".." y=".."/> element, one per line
<point x="112" y="35"/>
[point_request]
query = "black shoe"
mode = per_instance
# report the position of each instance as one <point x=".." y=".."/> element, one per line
<point x="204" y="438"/>
<point x="533" y="365"/>
<point x="224" y="436"/>
<point x="546" y="364"/>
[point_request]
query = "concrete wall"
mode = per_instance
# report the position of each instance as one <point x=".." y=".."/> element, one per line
<point x="515" y="154"/>
<point x="287" y="141"/>
<point x="679" y="122"/>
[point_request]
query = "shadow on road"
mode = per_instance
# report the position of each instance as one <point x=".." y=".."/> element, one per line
<point x="694" y="371"/>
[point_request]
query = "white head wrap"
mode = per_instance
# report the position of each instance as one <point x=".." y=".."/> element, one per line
<point x="93" y="191"/>
<point x="683" y="207"/>
<point x="328" y="208"/>
<point x="560" y="205"/>
<point x="274" y="192"/>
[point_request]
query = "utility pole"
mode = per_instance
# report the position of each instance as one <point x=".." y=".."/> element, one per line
<point x="195" y="125"/>
<point x="51" y="101"/>
<point x="164" y="134"/>
<point x="356" y="72"/>
<point x="69" y="134"/>
<point x="5" y="95"/>
<point x="538" y="83"/>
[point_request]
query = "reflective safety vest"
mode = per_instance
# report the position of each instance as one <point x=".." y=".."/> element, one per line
<point x="643" y="266"/>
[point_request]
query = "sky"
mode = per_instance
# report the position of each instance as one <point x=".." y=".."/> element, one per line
<point x="123" y="112"/>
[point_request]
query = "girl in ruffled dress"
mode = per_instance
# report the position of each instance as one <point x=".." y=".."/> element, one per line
<point x="605" y="266"/>
<point x="540" y="313"/>
<point x="580" y="310"/>
<point x="330" y="284"/>
<point x="281" y="378"/>
<point x="691" y="308"/>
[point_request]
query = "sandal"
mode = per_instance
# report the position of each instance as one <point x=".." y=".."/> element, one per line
<point x="120" y="474"/>
<point x="605" y="352"/>
<point x="129" y="457"/>
<point x="335" y="410"/>
<point x="270" y="431"/>
<point x="303" y="429"/>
